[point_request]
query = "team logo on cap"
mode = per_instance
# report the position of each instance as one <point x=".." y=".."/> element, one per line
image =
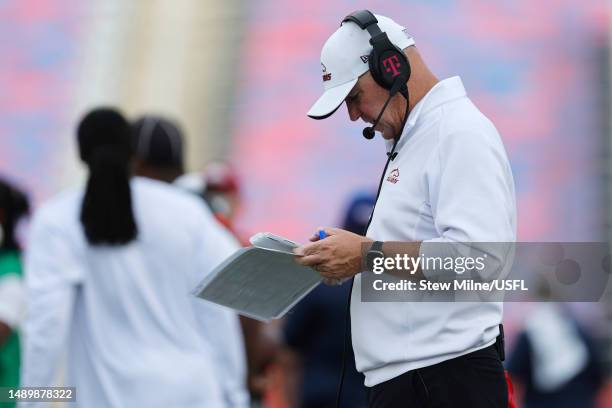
<point x="394" y="176"/>
<point x="364" y="58"/>
<point x="326" y="75"/>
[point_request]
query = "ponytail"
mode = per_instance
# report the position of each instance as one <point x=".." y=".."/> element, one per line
<point x="106" y="213"/>
<point x="13" y="205"/>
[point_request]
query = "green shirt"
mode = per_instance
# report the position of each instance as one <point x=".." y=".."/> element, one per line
<point x="10" y="264"/>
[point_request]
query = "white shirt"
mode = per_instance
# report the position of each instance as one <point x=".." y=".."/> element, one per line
<point x="453" y="183"/>
<point x="133" y="334"/>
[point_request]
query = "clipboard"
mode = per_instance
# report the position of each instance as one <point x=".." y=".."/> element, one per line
<point x="263" y="282"/>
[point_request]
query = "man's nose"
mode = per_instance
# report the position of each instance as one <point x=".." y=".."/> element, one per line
<point x="354" y="113"/>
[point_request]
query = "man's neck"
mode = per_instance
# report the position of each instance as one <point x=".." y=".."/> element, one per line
<point x="422" y="79"/>
<point x="420" y="87"/>
<point x="417" y="89"/>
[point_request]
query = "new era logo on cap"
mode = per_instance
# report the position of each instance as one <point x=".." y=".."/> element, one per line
<point x="344" y="58"/>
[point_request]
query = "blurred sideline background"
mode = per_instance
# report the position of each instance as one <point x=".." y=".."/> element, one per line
<point x="239" y="77"/>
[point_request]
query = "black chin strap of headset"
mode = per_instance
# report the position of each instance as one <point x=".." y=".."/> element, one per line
<point x="390" y="157"/>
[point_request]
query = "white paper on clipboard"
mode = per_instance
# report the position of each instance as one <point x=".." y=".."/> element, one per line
<point x="267" y="240"/>
<point x="262" y="283"/>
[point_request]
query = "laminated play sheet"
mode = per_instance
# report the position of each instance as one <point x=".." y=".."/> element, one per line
<point x="262" y="281"/>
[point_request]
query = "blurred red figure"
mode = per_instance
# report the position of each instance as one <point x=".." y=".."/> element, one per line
<point x="218" y="185"/>
<point x="222" y="192"/>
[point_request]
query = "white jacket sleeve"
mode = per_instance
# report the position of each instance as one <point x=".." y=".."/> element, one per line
<point x="52" y="275"/>
<point x="472" y="199"/>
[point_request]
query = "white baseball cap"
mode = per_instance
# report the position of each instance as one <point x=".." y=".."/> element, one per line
<point x="344" y="58"/>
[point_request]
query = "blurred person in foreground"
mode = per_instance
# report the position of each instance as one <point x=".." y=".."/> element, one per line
<point x="219" y="187"/>
<point x="158" y="145"/>
<point x="555" y="362"/>
<point x="109" y="271"/>
<point x="315" y="338"/>
<point x="447" y="180"/>
<point x="13" y="206"/>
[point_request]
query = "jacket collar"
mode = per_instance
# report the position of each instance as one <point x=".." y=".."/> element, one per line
<point x="441" y="93"/>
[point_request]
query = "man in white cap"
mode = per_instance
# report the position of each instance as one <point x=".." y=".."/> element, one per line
<point x="447" y="180"/>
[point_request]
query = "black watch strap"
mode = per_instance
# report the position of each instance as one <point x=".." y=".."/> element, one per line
<point x="377" y="246"/>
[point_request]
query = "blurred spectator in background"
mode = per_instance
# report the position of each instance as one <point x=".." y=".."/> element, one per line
<point x="222" y="192"/>
<point x="109" y="269"/>
<point x="13" y="206"/>
<point x="314" y="333"/>
<point x="218" y="186"/>
<point x="555" y="362"/>
<point x="158" y="150"/>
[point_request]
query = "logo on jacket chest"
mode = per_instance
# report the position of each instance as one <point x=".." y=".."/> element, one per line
<point x="393" y="176"/>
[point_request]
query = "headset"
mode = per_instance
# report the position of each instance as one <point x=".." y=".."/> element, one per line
<point x="388" y="64"/>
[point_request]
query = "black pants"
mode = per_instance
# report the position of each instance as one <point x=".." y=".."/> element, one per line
<point x="471" y="381"/>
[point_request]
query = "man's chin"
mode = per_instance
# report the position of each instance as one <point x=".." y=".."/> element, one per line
<point x="387" y="133"/>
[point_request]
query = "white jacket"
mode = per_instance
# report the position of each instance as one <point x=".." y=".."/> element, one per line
<point x="133" y="334"/>
<point x="450" y="182"/>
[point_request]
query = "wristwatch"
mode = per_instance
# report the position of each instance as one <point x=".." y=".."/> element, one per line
<point x="373" y="253"/>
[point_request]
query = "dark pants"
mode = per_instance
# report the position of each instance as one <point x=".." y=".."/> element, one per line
<point x="471" y="381"/>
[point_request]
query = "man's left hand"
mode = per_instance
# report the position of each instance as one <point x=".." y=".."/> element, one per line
<point x="336" y="257"/>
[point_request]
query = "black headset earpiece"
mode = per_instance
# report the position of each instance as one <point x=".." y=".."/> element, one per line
<point x="388" y="64"/>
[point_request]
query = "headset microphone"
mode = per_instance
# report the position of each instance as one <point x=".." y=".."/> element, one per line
<point x="368" y="132"/>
